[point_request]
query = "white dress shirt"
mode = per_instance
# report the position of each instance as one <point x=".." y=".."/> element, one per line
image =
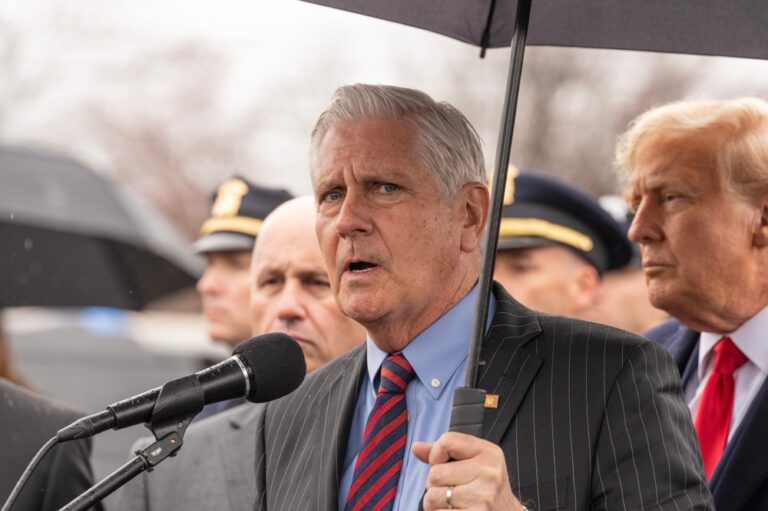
<point x="752" y="339"/>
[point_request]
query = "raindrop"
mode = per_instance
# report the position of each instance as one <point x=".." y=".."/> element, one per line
<point x="28" y="244"/>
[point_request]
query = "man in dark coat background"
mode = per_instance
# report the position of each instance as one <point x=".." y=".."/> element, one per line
<point x="699" y="189"/>
<point x="27" y="421"/>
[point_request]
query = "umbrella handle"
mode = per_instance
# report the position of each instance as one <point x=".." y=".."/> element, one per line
<point x="467" y="411"/>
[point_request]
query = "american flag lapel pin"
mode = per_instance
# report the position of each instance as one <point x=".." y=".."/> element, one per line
<point x="492" y="401"/>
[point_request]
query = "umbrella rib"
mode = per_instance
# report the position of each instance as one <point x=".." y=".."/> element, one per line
<point x="485" y="38"/>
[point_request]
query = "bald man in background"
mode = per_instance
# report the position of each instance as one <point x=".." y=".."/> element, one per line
<point x="290" y="293"/>
<point x="226" y="241"/>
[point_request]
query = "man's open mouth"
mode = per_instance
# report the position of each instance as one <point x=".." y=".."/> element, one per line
<point x="361" y="266"/>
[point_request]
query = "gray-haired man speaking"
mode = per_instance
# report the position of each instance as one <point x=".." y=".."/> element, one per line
<point x="587" y="417"/>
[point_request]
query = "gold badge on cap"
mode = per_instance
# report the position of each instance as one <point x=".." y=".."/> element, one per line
<point x="229" y="198"/>
<point x="509" y="187"/>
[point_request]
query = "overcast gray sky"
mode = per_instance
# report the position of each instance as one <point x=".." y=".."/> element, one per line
<point x="247" y="78"/>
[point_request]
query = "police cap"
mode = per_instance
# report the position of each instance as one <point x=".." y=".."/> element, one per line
<point x="238" y="210"/>
<point x="540" y="210"/>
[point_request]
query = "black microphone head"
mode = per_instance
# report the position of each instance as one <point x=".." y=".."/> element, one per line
<point x="277" y="365"/>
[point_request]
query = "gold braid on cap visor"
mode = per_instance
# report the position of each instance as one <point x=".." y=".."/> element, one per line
<point x="241" y="224"/>
<point x="519" y="227"/>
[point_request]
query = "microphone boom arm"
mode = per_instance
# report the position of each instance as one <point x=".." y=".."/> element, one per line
<point x="145" y="459"/>
<point x="176" y="405"/>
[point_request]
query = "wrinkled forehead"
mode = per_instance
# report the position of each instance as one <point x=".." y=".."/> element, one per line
<point x="381" y="141"/>
<point x="381" y="158"/>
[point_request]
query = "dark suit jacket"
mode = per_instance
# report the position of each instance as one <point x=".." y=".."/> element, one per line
<point x="740" y="481"/>
<point x="589" y="418"/>
<point x="27" y="421"/>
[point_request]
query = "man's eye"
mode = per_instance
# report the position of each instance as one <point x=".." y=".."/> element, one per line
<point x="242" y="265"/>
<point x="668" y="197"/>
<point x="388" y="187"/>
<point x="332" y="196"/>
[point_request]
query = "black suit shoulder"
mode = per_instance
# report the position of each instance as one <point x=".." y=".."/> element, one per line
<point x="27" y="421"/>
<point x="597" y="411"/>
<point x="665" y="331"/>
<point x="600" y="344"/>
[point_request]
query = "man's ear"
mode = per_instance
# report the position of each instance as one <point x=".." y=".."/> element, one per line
<point x="760" y="239"/>
<point x="587" y="282"/>
<point x="474" y="200"/>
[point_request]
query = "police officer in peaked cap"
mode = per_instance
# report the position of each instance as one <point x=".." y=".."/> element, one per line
<point x="226" y="240"/>
<point x="555" y="242"/>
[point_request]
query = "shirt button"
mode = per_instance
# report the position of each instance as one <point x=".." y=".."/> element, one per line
<point x="435" y="383"/>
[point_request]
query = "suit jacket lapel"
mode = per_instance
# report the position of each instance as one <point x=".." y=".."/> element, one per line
<point x="339" y="397"/>
<point x="509" y="368"/>
<point x="743" y="468"/>
<point x="684" y="348"/>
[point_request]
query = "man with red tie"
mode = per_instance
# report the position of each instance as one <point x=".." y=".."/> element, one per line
<point x="699" y="188"/>
<point x="581" y="416"/>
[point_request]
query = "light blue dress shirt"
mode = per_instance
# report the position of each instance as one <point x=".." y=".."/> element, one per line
<point x="439" y="358"/>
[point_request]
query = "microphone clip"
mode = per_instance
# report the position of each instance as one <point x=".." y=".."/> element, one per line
<point x="176" y="405"/>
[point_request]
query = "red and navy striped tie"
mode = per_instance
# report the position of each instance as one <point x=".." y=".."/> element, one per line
<point x="378" y="465"/>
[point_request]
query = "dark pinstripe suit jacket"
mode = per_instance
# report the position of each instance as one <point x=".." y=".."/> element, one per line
<point x="589" y="418"/>
<point x="740" y="481"/>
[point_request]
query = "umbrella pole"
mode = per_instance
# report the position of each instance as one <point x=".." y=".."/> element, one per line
<point x="469" y="401"/>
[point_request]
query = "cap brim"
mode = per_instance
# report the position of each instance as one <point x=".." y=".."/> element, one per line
<point x="223" y="242"/>
<point x="523" y="242"/>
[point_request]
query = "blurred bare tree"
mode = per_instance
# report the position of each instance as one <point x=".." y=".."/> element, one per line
<point x="572" y="106"/>
<point x="173" y="151"/>
<point x="572" y="109"/>
<point x="158" y="112"/>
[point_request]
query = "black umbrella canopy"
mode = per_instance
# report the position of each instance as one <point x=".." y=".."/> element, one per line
<point x="733" y="28"/>
<point x="71" y="238"/>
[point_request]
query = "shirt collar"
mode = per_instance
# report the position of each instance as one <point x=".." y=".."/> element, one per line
<point x="439" y="351"/>
<point x="751" y="338"/>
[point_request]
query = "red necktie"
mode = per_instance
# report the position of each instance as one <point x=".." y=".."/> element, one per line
<point x="713" y="417"/>
<point x="377" y="469"/>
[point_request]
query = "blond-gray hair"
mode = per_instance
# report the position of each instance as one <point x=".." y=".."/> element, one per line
<point x="445" y="141"/>
<point x="732" y="134"/>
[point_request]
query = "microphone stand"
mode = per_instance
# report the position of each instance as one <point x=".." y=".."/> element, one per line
<point x="178" y="402"/>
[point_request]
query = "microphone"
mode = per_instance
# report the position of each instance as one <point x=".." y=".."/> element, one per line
<point x="260" y="369"/>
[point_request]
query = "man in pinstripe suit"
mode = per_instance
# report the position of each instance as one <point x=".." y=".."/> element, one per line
<point x="588" y="417"/>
